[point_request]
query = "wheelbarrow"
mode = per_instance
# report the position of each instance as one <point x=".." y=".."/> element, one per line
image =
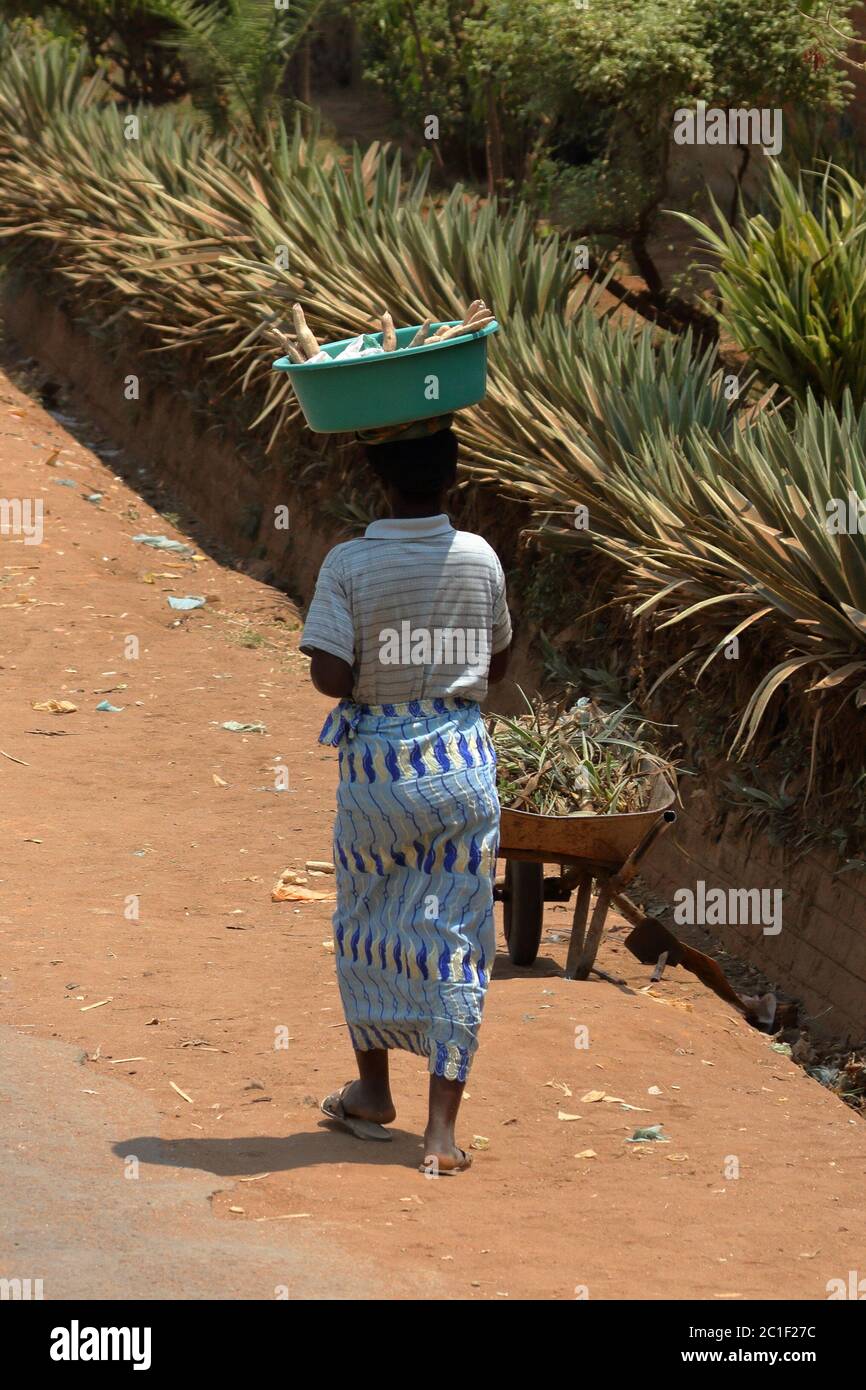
<point x="606" y="849"/>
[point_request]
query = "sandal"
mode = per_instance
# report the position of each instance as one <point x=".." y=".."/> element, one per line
<point x="333" y="1109"/>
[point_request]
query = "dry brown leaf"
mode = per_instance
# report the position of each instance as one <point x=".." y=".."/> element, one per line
<point x="560" y="1086"/>
<point x="294" y="893"/>
<point x="288" y="889"/>
<point x="55" y="707"/>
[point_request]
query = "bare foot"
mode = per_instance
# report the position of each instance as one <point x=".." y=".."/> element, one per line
<point x="441" y="1155"/>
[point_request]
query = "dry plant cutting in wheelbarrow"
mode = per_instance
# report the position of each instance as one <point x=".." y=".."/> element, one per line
<point x="586" y="789"/>
<point x="408" y="629"/>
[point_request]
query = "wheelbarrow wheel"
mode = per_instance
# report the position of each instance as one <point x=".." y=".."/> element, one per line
<point x="524" y="909"/>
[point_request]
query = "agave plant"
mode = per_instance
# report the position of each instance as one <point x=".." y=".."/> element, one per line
<point x="597" y="390"/>
<point x="792" y="285"/>
<point x="42" y="83"/>
<point x="758" y="535"/>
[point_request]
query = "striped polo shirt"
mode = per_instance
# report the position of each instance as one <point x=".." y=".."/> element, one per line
<point x="416" y="608"/>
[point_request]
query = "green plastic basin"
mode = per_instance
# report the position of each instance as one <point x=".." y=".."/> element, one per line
<point x="401" y="386"/>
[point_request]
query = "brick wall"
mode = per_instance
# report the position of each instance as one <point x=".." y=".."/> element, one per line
<point x="820" y="954"/>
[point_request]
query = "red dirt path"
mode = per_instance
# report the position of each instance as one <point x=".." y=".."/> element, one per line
<point x="127" y="804"/>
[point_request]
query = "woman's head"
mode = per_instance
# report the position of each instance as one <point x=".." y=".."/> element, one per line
<point x="416" y="471"/>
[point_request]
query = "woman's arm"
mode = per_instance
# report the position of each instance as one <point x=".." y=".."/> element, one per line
<point x="331" y="675"/>
<point x="498" y="665"/>
<point x="328" y="638"/>
<point x="501" y="632"/>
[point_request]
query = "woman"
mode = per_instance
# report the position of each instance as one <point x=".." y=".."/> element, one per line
<point x="407" y="626"/>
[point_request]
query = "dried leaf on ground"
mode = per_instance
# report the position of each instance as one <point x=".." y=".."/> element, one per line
<point x="288" y="889"/>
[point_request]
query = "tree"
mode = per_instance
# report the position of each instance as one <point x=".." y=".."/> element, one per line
<point x="417" y="52"/>
<point x="236" y="53"/>
<point x="616" y="72"/>
<point x="231" y="55"/>
<point x="576" y="104"/>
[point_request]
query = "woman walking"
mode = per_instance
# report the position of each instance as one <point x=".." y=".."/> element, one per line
<point x="407" y="626"/>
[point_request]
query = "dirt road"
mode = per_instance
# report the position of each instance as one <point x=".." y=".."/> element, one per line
<point x="139" y="849"/>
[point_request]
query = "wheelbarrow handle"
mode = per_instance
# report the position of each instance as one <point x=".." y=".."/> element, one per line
<point x="581" y="955"/>
<point x="628" y="870"/>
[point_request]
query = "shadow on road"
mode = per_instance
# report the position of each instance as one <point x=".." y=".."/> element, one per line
<point x="248" y="1156"/>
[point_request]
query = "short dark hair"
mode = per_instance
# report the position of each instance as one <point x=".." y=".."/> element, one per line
<point x="417" y="468"/>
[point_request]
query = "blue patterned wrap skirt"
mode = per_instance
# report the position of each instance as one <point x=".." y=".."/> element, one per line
<point x="415" y="842"/>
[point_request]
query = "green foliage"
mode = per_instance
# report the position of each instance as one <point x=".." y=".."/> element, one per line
<point x="236" y="53"/>
<point x="586" y="434"/>
<point x="416" y="50"/>
<point x="816" y="138"/>
<point x="552" y="57"/>
<point x="123" y="37"/>
<point x="585" y="96"/>
<point x="792" y="284"/>
<point x="772" y="55"/>
<point x="231" y="54"/>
